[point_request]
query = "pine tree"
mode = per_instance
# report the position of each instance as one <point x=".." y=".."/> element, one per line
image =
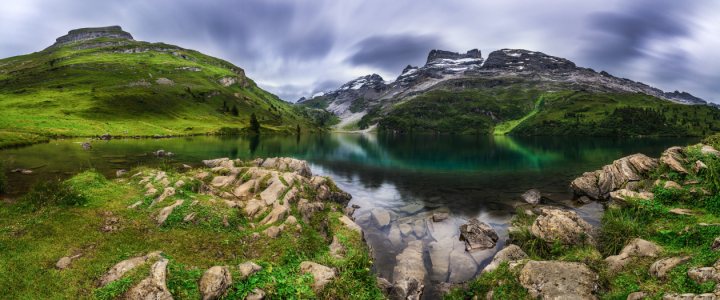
<point x="235" y="111"/>
<point x="254" y="124"/>
<point x="298" y="129"/>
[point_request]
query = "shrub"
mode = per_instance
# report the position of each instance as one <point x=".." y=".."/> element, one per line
<point x="51" y="193"/>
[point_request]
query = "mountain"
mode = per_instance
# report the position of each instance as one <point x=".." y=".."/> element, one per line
<point x="465" y="93"/>
<point x="94" y="81"/>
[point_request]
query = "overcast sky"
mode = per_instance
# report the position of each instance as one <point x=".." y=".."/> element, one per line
<point x="297" y="48"/>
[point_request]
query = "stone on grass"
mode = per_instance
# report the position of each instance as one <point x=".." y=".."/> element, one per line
<point x="532" y="196"/>
<point x="698" y="167"/>
<point x="661" y="267"/>
<point x="558" y="280"/>
<point x="166" y="193"/>
<point x="166" y="211"/>
<point x="179" y="183"/>
<point x="637" y="296"/>
<point x="151" y="191"/>
<point x="478" y="235"/>
<point x="672" y="184"/>
<point x="716" y="244"/>
<point x="682" y="212"/>
<point x="307" y="210"/>
<point x="564" y="226"/>
<point x="63" y="263"/>
<point x="120" y="268"/>
<point x="636" y="247"/>
<point x="257" y="294"/>
<point x="509" y="253"/>
<point x="290" y="220"/>
<point x="120" y="172"/>
<point x="214" y="282"/>
<point x="248" y="268"/>
<point x="272" y="232"/>
<point x="189" y="217"/>
<point x="673" y="157"/>
<point x="154" y="286"/>
<point x="322" y="274"/>
<point x="351" y="225"/>
<point x="276" y="215"/>
<point x="336" y="248"/>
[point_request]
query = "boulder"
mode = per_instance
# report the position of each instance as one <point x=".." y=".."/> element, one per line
<point x="663" y="266"/>
<point x="153" y="286"/>
<point x="291" y="220"/>
<point x="558" y="280"/>
<point x="698" y="167"/>
<point x="610" y="179"/>
<point x="636" y="247"/>
<point x="673" y="158"/>
<point x="565" y="226"/>
<point x="478" y="235"/>
<point x="120" y="172"/>
<point x="323" y="193"/>
<point x="706" y="149"/>
<point x="583" y="200"/>
<point x="219" y="162"/>
<point x="166" y="211"/>
<point x="167" y="192"/>
<point x="336" y="248"/>
<point x="532" y="196"/>
<point x="307" y="210"/>
<point x="672" y="185"/>
<point x="248" y="268"/>
<point x="341" y="197"/>
<point x="272" y="232"/>
<point x="214" y="282"/>
<point x="637" y="296"/>
<point x="440" y="257"/>
<point x="179" y="183"/>
<point x="254" y="208"/>
<point x="587" y="186"/>
<point x="257" y="294"/>
<point x="300" y="167"/>
<point x="509" y="253"/>
<point x="119" y="269"/>
<point x="351" y="225"/>
<point x="384" y="285"/>
<point x="243" y="191"/>
<point x="462" y="266"/>
<point x="716" y="244"/>
<point x="626" y="168"/>
<point x="381" y="216"/>
<point x="322" y="274"/>
<point x="409" y="272"/>
<point x="276" y="215"/>
<point x="273" y="192"/>
<point x="63" y="263"/>
<point x="642" y="163"/>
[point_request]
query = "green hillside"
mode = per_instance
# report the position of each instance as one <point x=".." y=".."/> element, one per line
<point x="129" y="88"/>
<point x="517" y="106"/>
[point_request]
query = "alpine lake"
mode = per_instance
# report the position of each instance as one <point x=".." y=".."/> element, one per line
<point x="397" y="180"/>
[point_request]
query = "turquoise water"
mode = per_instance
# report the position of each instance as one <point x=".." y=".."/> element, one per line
<point x="407" y="175"/>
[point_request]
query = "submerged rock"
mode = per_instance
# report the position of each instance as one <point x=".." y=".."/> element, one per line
<point x="409" y="272"/>
<point x="478" y="235"/>
<point x="532" y="196"/>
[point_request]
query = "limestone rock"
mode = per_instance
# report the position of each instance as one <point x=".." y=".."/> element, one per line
<point x="622" y="194"/>
<point x="243" y="191"/>
<point x="220" y="162"/>
<point x="153" y="286"/>
<point x="610" y="179"/>
<point x="307" y="210"/>
<point x="626" y="168"/>
<point x="384" y="285"/>
<point x="478" y="235"/>
<point x="637" y="247"/>
<point x="558" y="280"/>
<point x="189" y="217"/>
<point x="706" y="149"/>
<point x="351" y="225"/>
<point x="254" y="208"/>
<point x="322" y="274"/>
<point x="257" y="294"/>
<point x="291" y="220"/>
<point x="336" y="248"/>
<point x="151" y="191"/>
<point x="165" y="182"/>
<point x="532" y="196"/>
<point x="637" y="296"/>
<point x="702" y="275"/>
<point x="587" y="186"/>
<point x="214" y="282"/>
<point x="584" y="200"/>
<point x="672" y="184"/>
<point x="682" y="212"/>
<point x="674" y="296"/>
<point x="179" y="183"/>
<point x="409" y="272"/>
<point x="381" y="216"/>
<point x="698" y="167"/>
<point x="509" y="253"/>
<point x="248" y="268"/>
<point x="566" y="226"/>
<point x="273" y="192"/>
<point x="166" y="211"/>
<point x="462" y="266"/>
<point x="663" y="266"/>
<point x="276" y="215"/>
<point x="323" y="193"/>
<point x="642" y="163"/>
<point x="166" y="193"/>
<point x="673" y="157"/>
<point x="272" y="231"/>
<point x="716" y="244"/>
<point x="440" y="257"/>
<point x="63" y="263"/>
<point x="120" y="268"/>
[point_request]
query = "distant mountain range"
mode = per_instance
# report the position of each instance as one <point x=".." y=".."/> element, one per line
<point x="528" y="72"/>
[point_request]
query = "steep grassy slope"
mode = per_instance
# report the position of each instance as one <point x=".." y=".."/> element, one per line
<point x="133" y="88"/>
<point x="519" y="106"/>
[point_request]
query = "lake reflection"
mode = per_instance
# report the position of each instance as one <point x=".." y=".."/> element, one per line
<point x="405" y="177"/>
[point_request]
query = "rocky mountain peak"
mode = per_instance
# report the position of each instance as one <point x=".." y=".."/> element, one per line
<point x="524" y="60"/>
<point x="441" y="54"/>
<point x="83" y="34"/>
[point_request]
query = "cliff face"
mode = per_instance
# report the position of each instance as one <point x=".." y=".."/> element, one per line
<point x="83" y="34"/>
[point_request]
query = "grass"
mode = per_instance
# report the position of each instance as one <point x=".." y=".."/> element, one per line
<point x="677" y="235"/>
<point x="505" y="127"/>
<point x="38" y="230"/>
<point x="68" y="92"/>
<point x="4" y="168"/>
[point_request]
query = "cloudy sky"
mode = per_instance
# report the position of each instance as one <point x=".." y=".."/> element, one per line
<point x="297" y="48"/>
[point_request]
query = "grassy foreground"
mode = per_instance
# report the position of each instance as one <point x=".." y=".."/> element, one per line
<point x="129" y="88"/>
<point x="678" y="235"/>
<point x="87" y="215"/>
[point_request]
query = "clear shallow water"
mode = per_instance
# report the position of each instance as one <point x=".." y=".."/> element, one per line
<point x="408" y="176"/>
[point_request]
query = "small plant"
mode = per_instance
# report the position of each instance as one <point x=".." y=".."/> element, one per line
<point x="4" y="165"/>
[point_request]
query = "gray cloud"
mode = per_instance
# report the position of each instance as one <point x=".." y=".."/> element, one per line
<point x="391" y="53"/>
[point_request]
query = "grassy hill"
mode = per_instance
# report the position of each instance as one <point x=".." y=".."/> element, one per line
<point x="128" y="88"/>
<point x="519" y="106"/>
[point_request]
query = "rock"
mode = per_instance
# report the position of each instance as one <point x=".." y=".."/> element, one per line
<point x="219" y="162"/>
<point x="351" y="225"/>
<point x="419" y="228"/>
<point x="153" y="286"/>
<point x="584" y="200"/>
<point x="663" y="266"/>
<point x="243" y="191"/>
<point x="159" y="153"/>
<point x="409" y="272"/>
<point x="254" y="208"/>
<point x="186" y="166"/>
<point x="384" y="285"/>
<point x="86" y="145"/>
<point x="273" y="192"/>
<point x="636" y="247"/>
<point x="120" y="172"/>
<point x="440" y="257"/>
<point x="691" y="182"/>
<point x="179" y="183"/>
<point x="202" y="175"/>
<point x="166" y="193"/>
<point x="622" y="194"/>
<point x="381" y="217"/>
<point x="558" y="280"/>
<point x="682" y="212"/>
<point x="565" y="226"/>
<point x="355" y="206"/>
<point x="509" y="253"/>
<point x="323" y="194"/>
<point x="672" y="184"/>
<point x="214" y="282"/>
<point x="276" y="215"/>
<point x="166" y="211"/>
<point x="698" y="167"/>
<point x="189" y="217"/>
<point x="165" y="182"/>
<point x="478" y="235"/>
<point x="462" y="266"/>
<point x="637" y="296"/>
<point x="63" y="263"/>
<point x="120" y="268"/>
<point x="272" y="232"/>
<point x="587" y="186"/>
<point x="642" y="163"/>
<point x="322" y="274"/>
<point x="257" y="294"/>
<point x="532" y="196"/>
<point x="674" y="296"/>
<point x="336" y="248"/>
<point x="706" y="149"/>
<point x="248" y="268"/>
<point x="716" y="244"/>
<point x="291" y="220"/>
<point x="151" y="191"/>
<point x="439" y="217"/>
<point x="672" y="157"/>
<point x="702" y="275"/>
<point x="626" y="168"/>
<point x="307" y="210"/>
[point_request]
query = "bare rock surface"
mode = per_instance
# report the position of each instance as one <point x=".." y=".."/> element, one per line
<point x="322" y="274"/>
<point x="673" y="157"/>
<point x="409" y="272"/>
<point x="478" y="235"/>
<point x="661" y="267"/>
<point x="558" y="280"/>
<point x="509" y="253"/>
<point x="336" y="248"/>
<point x="565" y="226"/>
<point x="120" y="268"/>
<point x="248" y="268"/>
<point x="587" y="186"/>
<point x="154" y="286"/>
<point x="214" y="282"/>
<point x="166" y="211"/>
<point x="636" y="247"/>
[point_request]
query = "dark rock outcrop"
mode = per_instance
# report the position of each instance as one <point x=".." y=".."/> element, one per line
<point x="83" y="34"/>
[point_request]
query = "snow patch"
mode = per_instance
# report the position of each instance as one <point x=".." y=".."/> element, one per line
<point x="320" y="94"/>
<point x="515" y="54"/>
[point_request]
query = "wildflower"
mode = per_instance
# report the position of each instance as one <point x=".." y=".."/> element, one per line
<point x="553" y="228"/>
<point x="371" y="262"/>
<point x="367" y="269"/>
